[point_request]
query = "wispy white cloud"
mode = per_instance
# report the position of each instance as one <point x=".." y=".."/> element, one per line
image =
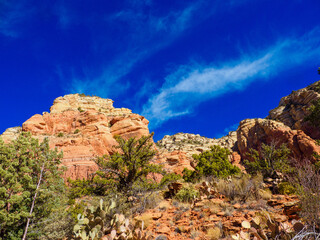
<point x="12" y="13"/>
<point x="192" y="84"/>
<point x="147" y="34"/>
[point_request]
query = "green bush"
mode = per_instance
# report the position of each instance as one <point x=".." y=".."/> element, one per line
<point x="76" y="131"/>
<point x="214" y="162"/>
<point x="187" y="194"/>
<point x="27" y="169"/>
<point x="60" y="134"/>
<point x="128" y="168"/>
<point x="270" y="161"/>
<point x="314" y="114"/>
<point x="286" y="188"/>
<point x="169" y="178"/>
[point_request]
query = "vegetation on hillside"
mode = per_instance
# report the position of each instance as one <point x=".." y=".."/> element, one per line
<point x="30" y="184"/>
<point x="314" y="111"/>
<point x="125" y="180"/>
<point x="128" y="168"/>
<point x="213" y="162"/>
<point x="269" y="160"/>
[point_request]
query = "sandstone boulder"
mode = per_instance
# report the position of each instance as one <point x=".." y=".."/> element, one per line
<point x="293" y="109"/>
<point x="253" y="132"/>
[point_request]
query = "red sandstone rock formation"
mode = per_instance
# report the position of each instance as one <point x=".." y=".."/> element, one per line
<point x="293" y="109"/>
<point x="174" y="161"/>
<point x="253" y="132"/>
<point x="83" y="128"/>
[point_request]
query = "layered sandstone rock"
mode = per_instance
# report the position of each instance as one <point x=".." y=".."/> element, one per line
<point x="196" y="144"/>
<point x="83" y="128"/>
<point x="11" y="134"/>
<point x="175" y="161"/>
<point x="293" y="109"/>
<point x="82" y="102"/>
<point x="177" y="150"/>
<point x="253" y="132"/>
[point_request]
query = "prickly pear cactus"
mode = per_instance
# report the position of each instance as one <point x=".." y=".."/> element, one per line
<point x="93" y="223"/>
<point x="263" y="226"/>
<point x="122" y="229"/>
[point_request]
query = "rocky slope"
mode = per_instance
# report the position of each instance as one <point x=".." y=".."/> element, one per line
<point x="285" y="124"/>
<point x="293" y="109"/>
<point x="179" y="148"/>
<point x="194" y="143"/>
<point x="82" y="127"/>
<point x="253" y="132"/>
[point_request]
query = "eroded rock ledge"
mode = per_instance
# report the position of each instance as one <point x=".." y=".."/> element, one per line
<point x="82" y="127"/>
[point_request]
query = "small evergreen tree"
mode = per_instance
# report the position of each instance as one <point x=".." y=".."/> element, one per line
<point x="129" y="167"/>
<point x="269" y="161"/>
<point x="314" y="115"/>
<point x="214" y="162"/>
<point x="29" y="176"/>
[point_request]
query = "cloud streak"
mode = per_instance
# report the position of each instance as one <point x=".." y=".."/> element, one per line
<point x="12" y="14"/>
<point x="193" y="84"/>
<point x="148" y="33"/>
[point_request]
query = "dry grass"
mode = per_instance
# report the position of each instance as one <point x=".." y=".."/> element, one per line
<point x="146" y="218"/>
<point x="213" y="206"/>
<point x="214" y="233"/>
<point x="241" y="188"/>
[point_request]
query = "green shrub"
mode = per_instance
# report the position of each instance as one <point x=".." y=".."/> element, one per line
<point x="214" y="162"/>
<point x="270" y="161"/>
<point x="60" y="134"/>
<point x="169" y="178"/>
<point x="55" y="226"/>
<point x="128" y="168"/>
<point x="80" y="109"/>
<point x="286" y="188"/>
<point x="187" y="194"/>
<point x="314" y="114"/>
<point x="98" y="185"/>
<point x="76" y="131"/>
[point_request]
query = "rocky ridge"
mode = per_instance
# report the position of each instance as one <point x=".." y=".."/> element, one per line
<point x="253" y="132"/>
<point x="82" y="127"/>
<point x="82" y="102"/>
<point x="284" y="124"/>
<point x="294" y="108"/>
<point x="194" y="143"/>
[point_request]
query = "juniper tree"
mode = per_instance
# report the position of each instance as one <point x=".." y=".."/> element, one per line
<point x="29" y="175"/>
<point x="214" y="162"/>
<point x="129" y="167"/>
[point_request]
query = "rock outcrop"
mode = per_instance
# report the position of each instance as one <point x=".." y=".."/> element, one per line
<point x="175" y="161"/>
<point x="252" y="133"/>
<point x="11" y="134"/>
<point x="293" y="109"/>
<point x="177" y="150"/>
<point x="82" y="127"/>
<point x="196" y="144"/>
<point x="82" y="102"/>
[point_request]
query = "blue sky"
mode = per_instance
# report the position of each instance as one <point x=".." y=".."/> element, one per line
<point x="187" y="66"/>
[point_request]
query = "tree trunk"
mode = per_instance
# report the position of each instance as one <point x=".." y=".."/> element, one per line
<point x="33" y="202"/>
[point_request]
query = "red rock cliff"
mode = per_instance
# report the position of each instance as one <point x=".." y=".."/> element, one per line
<point x="82" y="127"/>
